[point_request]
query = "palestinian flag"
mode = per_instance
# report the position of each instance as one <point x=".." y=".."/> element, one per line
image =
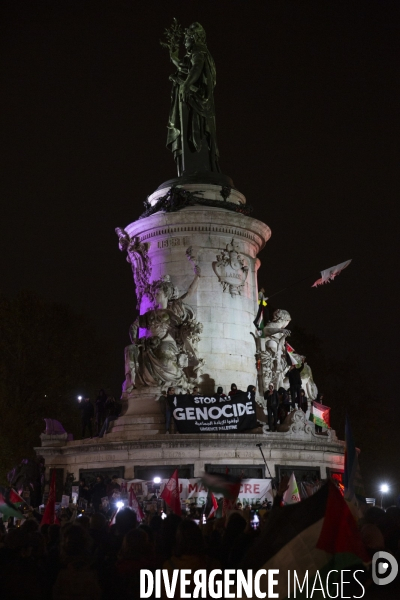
<point x="292" y="493"/>
<point x="16" y="499"/>
<point x="291" y="354"/>
<point x="227" y="485"/>
<point x="328" y="275"/>
<point x="310" y="538"/>
<point x="7" y="508"/>
<point x="320" y="415"/>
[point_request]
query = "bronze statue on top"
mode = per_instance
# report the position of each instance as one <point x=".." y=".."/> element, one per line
<point x="191" y="124"/>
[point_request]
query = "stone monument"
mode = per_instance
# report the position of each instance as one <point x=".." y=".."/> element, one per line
<point x="194" y="259"/>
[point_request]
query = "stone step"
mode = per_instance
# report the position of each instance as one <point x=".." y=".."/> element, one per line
<point x="137" y="420"/>
<point x="136" y="427"/>
<point x="127" y="435"/>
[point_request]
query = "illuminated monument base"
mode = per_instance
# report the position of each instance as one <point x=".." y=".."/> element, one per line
<point x="195" y="272"/>
<point x="143" y="457"/>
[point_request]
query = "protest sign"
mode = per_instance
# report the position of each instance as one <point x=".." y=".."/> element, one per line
<point x="214" y="414"/>
<point x="251" y="490"/>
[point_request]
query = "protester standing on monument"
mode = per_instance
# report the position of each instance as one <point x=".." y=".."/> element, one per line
<point x="295" y="383"/>
<point x="251" y="389"/>
<point x="303" y="401"/>
<point x="162" y="400"/>
<point x="100" y="407"/>
<point x="271" y="396"/>
<point x="283" y="406"/>
<point x="220" y="392"/>
<point x="87" y="415"/>
<point x="112" y="412"/>
<point x="169" y="408"/>
<point x="234" y="390"/>
<point x="262" y="309"/>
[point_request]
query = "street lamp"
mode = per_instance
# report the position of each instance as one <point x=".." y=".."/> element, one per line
<point x="384" y="490"/>
<point x="157" y="480"/>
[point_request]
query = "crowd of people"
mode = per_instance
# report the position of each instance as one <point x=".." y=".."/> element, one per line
<point x="87" y="558"/>
<point x="93" y="493"/>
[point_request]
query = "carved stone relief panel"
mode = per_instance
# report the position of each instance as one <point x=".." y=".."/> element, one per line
<point x="231" y="269"/>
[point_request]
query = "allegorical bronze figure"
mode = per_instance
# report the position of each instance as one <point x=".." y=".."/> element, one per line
<point x="191" y="123"/>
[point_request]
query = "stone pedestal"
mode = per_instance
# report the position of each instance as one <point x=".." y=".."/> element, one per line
<point x="222" y="245"/>
<point x="298" y="447"/>
<point x="225" y="306"/>
<point x="53" y="440"/>
<point x="142" y="413"/>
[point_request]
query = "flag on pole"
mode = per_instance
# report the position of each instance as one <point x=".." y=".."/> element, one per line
<point x="133" y="503"/>
<point x="171" y="494"/>
<point x="291" y="496"/>
<point x="15" y="498"/>
<point x="353" y="485"/>
<point x="7" y="508"/>
<point x="314" y="536"/>
<point x="320" y="415"/>
<point x="49" y="516"/>
<point x="329" y="274"/>
<point x="291" y="352"/>
<point x="211" y="505"/>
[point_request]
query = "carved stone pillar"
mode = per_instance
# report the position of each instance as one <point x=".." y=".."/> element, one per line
<point x="223" y="245"/>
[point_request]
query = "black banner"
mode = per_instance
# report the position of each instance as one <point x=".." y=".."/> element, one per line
<point x="214" y="414"/>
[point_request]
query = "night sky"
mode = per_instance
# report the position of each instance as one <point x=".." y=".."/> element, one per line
<point x="307" y="102"/>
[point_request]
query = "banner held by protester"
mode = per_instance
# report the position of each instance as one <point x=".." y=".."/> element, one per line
<point x="209" y="414"/>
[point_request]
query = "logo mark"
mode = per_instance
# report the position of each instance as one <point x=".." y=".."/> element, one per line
<point x="384" y="568"/>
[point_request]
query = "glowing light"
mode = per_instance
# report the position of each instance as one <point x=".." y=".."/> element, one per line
<point x="157" y="480"/>
<point x="119" y="504"/>
<point x="384" y="488"/>
<point x="79" y="397"/>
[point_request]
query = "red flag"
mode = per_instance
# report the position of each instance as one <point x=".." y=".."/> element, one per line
<point x="214" y="506"/>
<point x="112" y="520"/>
<point x="133" y="503"/>
<point x="49" y="517"/>
<point x="339" y="533"/>
<point x="171" y="495"/>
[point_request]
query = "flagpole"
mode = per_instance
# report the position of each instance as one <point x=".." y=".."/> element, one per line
<point x="290" y="286"/>
<point x="266" y="464"/>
